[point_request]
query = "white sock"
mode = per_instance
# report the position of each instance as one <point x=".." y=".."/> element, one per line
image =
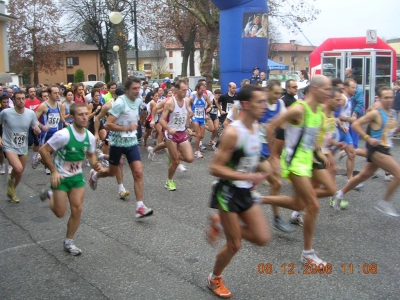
<point x="295" y="214"/>
<point x="35" y="154"/>
<point x="139" y="204"/>
<point x="49" y="193"/>
<point x="308" y="252"/>
<point x="121" y="187"/>
<point x="340" y="194"/>
<point x="68" y="241"/>
<point x="212" y="276"/>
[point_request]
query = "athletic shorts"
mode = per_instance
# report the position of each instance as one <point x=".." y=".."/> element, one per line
<point x="179" y="137"/>
<point x="263" y="157"/>
<point x="148" y="125"/>
<point x="131" y="153"/>
<point x="299" y="166"/>
<point x="231" y="198"/>
<point x="69" y="183"/>
<point x="280" y="134"/>
<point x="45" y="136"/>
<point x="19" y="155"/>
<point x="354" y="137"/>
<point x="345" y="137"/>
<point x="33" y="139"/>
<point x="200" y="121"/>
<point x="318" y="163"/>
<point x="213" y="117"/>
<point x="222" y="118"/>
<point x="380" y="149"/>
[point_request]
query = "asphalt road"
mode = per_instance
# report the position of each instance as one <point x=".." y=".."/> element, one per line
<point x="166" y="256"/>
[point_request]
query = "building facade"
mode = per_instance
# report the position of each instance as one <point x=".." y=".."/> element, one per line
<point x="4" y="60"/>
<point x="296" y="56"/>
<point x="395" y="44"/>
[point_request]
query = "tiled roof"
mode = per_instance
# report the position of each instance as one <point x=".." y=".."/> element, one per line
<point x="289" y="47"/>
<point x="177" y="45"/>
<point x="76" y="46"/>
<point x="147" y="54"/>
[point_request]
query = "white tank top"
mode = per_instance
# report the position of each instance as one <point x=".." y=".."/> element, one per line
<point x="346" y="112"/>
<point x="177" y="118"/>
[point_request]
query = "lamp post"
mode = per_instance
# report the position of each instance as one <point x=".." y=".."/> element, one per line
<point x="116" y="18"/>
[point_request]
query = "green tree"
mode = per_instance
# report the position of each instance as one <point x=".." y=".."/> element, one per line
<point x="79" y="76"/>
<point x="34" y="37"/>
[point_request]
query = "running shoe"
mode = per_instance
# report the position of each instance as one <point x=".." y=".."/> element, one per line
<point x="341" y="155"/>
<point x="181" y="168"/>
<point x="71" y="248"/>
<point x="336" y="202"/>
<point x="87" y="162"/>
<point x="344" y="204"/>
<point x="105" y="163"/>
<point x="311" y="258"/>
<point x="151" y="154"/>
<point x="13" y="198"/>
<point x="201" y="146"/>
<point x="10" y="168"/>
<point x="386" y="208"/>
<point x="2" y="169"/>
<point x="359" y="187"/>
<point x="266" y="183"/>
<point x="143" y="211"/>
<point x="170" y="185"/>
<point x="123" y="194"/>
<point x="100" y="154"/>
<point x="10" y="187"/>
<point x="198" y="154"/>
<point x="36" y="161"/>
<point x="281" y="225"/>
<point x="297" y="220"/>
<point x="92" y="182"/>
<point x="47" y="171"/>
<point x="44" y="194"/>
<point x="218" y="287"/>
<point x="214" y="229"/>
<point x="387" y="177"/>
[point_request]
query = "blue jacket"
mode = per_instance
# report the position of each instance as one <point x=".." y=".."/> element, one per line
<point x="396" y="103"/>
<point x="357" y="103"/>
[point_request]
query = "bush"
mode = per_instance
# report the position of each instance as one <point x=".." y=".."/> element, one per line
<point x="79" y="76"/>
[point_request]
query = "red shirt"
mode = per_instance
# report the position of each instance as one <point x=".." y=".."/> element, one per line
<point x="32" y="104"/>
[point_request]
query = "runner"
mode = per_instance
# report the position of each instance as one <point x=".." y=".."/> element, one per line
<point x="122" y="121"/>
<point x="174" y="119"/>
<point x="382" y="126"/>
<point x="4" y="105"/>
<point x="234" y="164"/>
<point x="71" y="145"/>
<point x="50" y="114"/>
<point x="150" y="106"/>
<point x="16" y="123"/>
<point x="214" y="115"/>
<point x="303" y="122"/>
<point x="199" y="101"/>
<point x="69" y="100"/>
<point x="33" y="104"/>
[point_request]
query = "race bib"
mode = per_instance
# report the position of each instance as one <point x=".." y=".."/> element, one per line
<point x="128" y="134"/>
<point x="73" y="168"/>
<point x="18" y="139"/>
<point x="199" y="112"/>
<point x="247" y="164"/>
<point x="179" y="120"/>
<point x="229" y="107"/>
<point x="214" y="111"/>
<point x="53" y="120"/>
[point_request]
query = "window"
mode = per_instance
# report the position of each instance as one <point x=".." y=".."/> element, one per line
<point x="91" y="77"/>
<point x="171" y="66"/>
<point x="72" y="61"/>
<point x="147" y="66"/>
<point x="70" y="77"/>
<point x="171" y="54"/>
<point x="292" y="58"/>
<point x="307" y="59"/>
<point x="280" y="59"/>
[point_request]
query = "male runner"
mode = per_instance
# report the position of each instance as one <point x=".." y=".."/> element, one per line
<point x="382" y="126"/>
<point x="16" y="122"/>
<point x="303" y="122"/>
<point x="234" y="164"/>
<point x="4" y="105"/>
<point x="226" y="102"/>
<point x="71" y="145"/>
<point x="32" y="103"/>
<point x="174" y="119"/>
<point x="122" y="121"/>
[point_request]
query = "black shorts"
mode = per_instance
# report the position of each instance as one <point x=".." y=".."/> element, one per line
<point x="231" y="198"/>
<point x="148" y="125"/>
<point x="380" y="148"/>
<point x="318" y="163"/>
<point x="222" y="118"/>
<point x="280" y="134"/>
<point x="263" y="157"/>
<point x="213" y="117"/>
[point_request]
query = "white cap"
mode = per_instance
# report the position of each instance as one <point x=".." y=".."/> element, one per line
<point x="166" y="78"/>
<point x="155" y="85"/>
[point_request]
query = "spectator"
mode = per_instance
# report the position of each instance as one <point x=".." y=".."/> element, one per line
<point x="242" y="84"/>
<point x="396" y="103"/>
<point x="304" y="77"/>
<point x="255" y="77"/>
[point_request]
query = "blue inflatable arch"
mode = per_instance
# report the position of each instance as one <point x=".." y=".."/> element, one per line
<point x="243" y="39"/>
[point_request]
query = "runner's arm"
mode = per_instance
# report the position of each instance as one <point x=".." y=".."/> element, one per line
<point x="370" y="117"/>
<point x="100" y="116"/>
<point x="65" y="116"/>
<point x="62" y="114"/>
<point x="163" y="119"/>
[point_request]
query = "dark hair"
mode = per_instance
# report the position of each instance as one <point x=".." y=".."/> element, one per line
<point x="18" y="92"/>
<point x="129" y="81"/>
<point x="29" y="87"/>
<point x="306" y="90"/>
<point x="272" y="83"/>
<point x="5" y="97"/>
<point x="218" y="91"/>
<point x="67" y="91"/>
<point x="98" y="85"/>
<point x="287" y="83"/>
<point x="50" y="87"/>
<point x="348" y="80"/>
<point x="305" y="74"/>
<point x="378" y="87"/>
<point x="75" y="106"/>
<point x="110" y="84"/>
<point x="94" y="91"/>
<point x="201" y="79"/>
<point x="40" y="92"/>
<point x="336" y="81"/>
<point x="179" y="83"/>
<point x="384" y="88"/>
<point x="199" y="85"/>
<point x="335" y="90"/>
<point x="246" y="92"/>
<point x="144" y="82"/>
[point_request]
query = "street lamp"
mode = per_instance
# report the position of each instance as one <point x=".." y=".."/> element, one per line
<point x="116" y="18"/>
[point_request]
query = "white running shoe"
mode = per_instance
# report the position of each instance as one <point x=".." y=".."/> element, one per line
<point x="312" y="258"/>
<point x="342" y="154"/>
<point x="10" y="168"/>
<point x="386" y="208"/>
<point x="389" y="177"/>
<point x="151" y="154"/>
<point x="36" y="161"/>
<point x="92" y="182"/>
<point x="47" y="171"/>
<point x="181" y="168"/>
<point x="87" y="162"/>
<point x="336" y="202"/>
<point x="71" y="248"/>
<point x="143" y="211"/>
<point x="201" y="146"/>
<point x="2" y="169"/>
<point x="198" y="154"/>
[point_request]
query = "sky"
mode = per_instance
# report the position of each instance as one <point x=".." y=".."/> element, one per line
<point x="349" y="18"/>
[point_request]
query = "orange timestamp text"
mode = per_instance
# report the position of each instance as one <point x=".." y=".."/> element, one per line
<point x="310" y="268"/>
